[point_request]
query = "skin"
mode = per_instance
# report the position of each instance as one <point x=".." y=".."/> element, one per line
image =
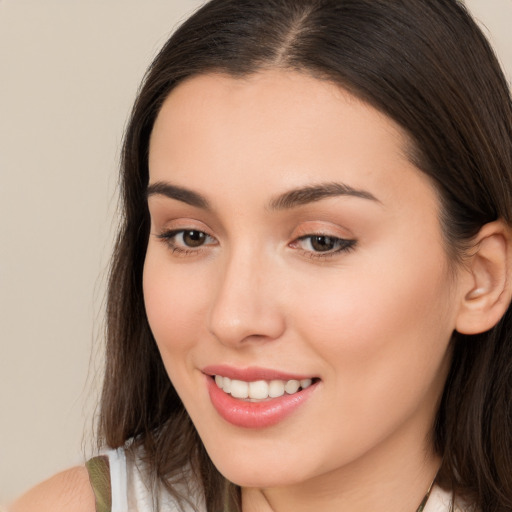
<point x="69" y="490"/>
<point x="372" y="323"/>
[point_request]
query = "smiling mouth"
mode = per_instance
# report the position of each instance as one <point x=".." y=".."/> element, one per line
<point x="261" y="390"/>
<point x="257" y="397"/>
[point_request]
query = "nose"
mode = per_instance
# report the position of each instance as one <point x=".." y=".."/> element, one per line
<point x="246" y="302"/>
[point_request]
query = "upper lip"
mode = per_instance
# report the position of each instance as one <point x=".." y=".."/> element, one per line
<point x="252" y="373"/>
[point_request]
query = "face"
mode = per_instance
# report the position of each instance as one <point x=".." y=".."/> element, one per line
<point x="296" y="260"/>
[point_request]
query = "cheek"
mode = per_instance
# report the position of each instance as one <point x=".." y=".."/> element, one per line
<point x="380" y="326"/>
<point x="175" y="305"/>
<point x="384" y="336"/>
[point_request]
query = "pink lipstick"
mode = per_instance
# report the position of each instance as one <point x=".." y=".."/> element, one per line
<point x="256" y="397"/>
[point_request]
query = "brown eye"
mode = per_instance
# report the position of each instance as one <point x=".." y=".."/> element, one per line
<point x="194" y="238"/>
<point x="323" y="243"/>
<point x="186" y="240"/>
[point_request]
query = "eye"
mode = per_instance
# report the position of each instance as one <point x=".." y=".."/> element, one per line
<point x="193" y="238"/>
<point x="186" y="240"/>
<point x="320" y="245"/>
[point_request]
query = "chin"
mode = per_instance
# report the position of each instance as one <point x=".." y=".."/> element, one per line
<point x="257" y="477"/>
<point x="248" y="471"/>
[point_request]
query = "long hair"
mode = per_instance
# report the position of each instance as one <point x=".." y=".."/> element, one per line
<point x="426" y="65"/>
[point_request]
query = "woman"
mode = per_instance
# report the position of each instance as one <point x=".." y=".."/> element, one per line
<point x="309" y="304"/>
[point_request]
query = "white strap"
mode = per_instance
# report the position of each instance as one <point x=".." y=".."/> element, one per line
<point x="439" y="500"/>
<point x="117" y="459"/>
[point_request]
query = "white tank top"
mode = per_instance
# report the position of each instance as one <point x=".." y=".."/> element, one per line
<point x="131" y="491"/>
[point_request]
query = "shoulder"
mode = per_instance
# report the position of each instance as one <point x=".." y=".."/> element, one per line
<point x="69" y="490"/>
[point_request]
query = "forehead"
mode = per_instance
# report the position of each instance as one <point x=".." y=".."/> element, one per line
<point x="283" y="127"/>
<point x="268" y="96"/>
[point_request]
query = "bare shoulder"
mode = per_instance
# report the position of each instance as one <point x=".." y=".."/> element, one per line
<point x="69" y="490"/>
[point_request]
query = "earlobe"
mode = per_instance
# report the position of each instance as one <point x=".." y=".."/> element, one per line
<point x="489" y="290"/>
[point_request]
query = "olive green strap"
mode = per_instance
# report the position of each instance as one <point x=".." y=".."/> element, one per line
<point x="99" y="476"/>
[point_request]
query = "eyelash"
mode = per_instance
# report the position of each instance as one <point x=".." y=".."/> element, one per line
<point x="344" y="245"/>
<point x="169" y="238"/>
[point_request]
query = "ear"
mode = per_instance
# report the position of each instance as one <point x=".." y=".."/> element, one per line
<point x="488" y="290"/>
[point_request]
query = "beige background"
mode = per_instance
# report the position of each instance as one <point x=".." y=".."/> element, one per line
<point x="69" y="70"/>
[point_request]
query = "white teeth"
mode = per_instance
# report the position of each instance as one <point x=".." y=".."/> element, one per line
<point x="305" y="383"/>
<point x="292" y="386"/>
<point x="260" y="389"/>
<point x="276" y="388"/>
<point x="239" y="389"/>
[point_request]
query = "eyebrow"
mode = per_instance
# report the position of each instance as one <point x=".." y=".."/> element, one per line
<point x="312" y="193"/>
<point x="293" y="198"/>
<point x="179" y="193"/>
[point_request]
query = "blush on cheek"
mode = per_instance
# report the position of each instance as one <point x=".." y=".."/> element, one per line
<point x="363" y="318"/>
<point x="175" y="318"/>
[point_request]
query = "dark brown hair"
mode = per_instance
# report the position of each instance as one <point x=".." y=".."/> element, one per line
<point x="426" y="65"/>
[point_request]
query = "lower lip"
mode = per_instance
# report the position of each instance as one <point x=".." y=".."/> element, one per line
<point x="262" y="414"/>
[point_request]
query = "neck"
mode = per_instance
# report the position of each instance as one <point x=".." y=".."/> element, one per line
<point x="389" y="484"/>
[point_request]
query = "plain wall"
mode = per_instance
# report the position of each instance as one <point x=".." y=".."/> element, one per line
<point x="69" y="71"/>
